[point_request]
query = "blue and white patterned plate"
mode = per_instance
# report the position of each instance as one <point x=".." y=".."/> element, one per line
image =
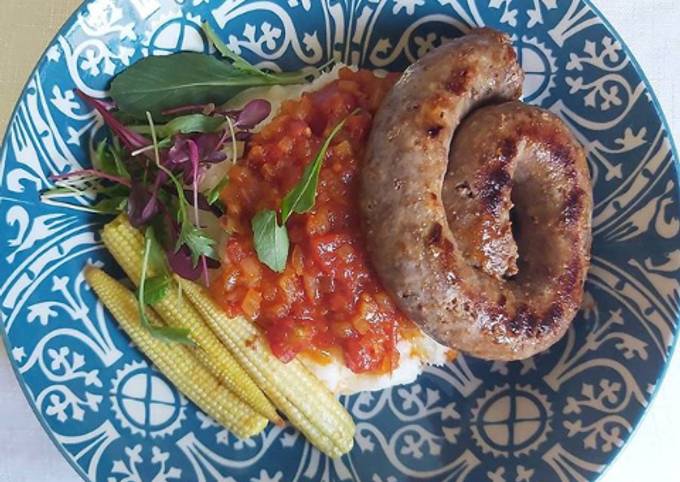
<point x="561" y="416"/>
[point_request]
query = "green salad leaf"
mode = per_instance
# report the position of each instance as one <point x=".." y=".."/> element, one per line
<point x="156" y="84"/>
<point x="156" y="288"/>
<point x="271" y="240"/>
<point x="198" y="242"/>
<point x="167" y="333"/>
<point x="301" y="198"/>
<point x="186" y="124"/>
<point x="245" y="66"/>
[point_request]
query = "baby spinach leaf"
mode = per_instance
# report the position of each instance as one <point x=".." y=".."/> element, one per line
<point x="158" y="83"/>
<point x="271" y="240"/>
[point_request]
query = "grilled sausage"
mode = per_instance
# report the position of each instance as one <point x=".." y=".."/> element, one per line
<point x="484" y="242"/>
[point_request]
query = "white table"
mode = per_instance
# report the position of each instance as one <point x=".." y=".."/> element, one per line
<point x="650" y="27"/>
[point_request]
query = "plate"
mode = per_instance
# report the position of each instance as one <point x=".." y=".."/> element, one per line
<point x="560" y="416"/>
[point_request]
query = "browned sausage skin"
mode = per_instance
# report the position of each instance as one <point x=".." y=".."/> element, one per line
<point x="440" y="234"/>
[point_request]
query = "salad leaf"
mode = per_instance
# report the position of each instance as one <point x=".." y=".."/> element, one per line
<point x="198" y="242"/>
<point x="157" y="261"/>
<point x="107" y="162"/>
<point x="156" y="84"/>
<point x="301" y="198"/>
<point x="111" y="205"/>
<point x="156" y="288"/>
<point x="237" y="61"/>
<point x="253" y="113"/>
<point x="186" y="124"/>
<point x="271" y="240"/>
<point x="130" y="139"/>
<point x="245" y="66"/>
<point x="167" y="333"/>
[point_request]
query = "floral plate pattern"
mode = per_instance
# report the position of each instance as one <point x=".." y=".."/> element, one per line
<point x="561" y="416"/>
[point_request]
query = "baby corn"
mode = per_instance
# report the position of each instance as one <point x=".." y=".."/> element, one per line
<point x="176" y="361"/>
<point x="307" y="403"/>
<point x="126" y="244"/>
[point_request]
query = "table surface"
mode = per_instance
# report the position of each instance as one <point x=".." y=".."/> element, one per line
<point x="649" y="27"/>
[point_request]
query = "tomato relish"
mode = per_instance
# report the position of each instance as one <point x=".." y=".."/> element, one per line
<point x="328" y="301"/>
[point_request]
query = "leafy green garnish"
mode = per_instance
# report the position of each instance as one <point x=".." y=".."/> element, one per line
<point x="156" y="84"/>
<point x="237" y="61"/>
<point x="109" y="158"/>
<point x="186" y="124"/>
<point x="244" y="66"/>
<point x="301" y="198"/>
<point x="271" y="240"/>
<point x="198" y="242"/>
<point x="158" y="263"/>
<point x="167" y="333"/>
<point x="156" y="288"/>
<point x="111" y="205"/>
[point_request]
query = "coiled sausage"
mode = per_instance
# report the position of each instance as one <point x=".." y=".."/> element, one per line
<point x="484" y="242"/>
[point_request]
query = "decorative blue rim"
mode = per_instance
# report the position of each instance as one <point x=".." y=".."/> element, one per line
<point x="359" y="402"/>
<point x="674" y="149"/>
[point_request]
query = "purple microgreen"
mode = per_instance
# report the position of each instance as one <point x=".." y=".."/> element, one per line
<point x="142" y="205"/>
<point x="178" y="156"/>
<point x="182" y="205"/>
<point x="180" y="263"/>
<point x="198" y="243"/>
<point x="130" y="139"/>
<point x="253" y="113"/>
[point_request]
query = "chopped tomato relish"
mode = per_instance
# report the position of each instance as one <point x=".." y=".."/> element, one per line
<point x="328" y="301"/>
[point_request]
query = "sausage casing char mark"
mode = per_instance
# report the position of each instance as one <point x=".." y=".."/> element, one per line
<point x="437" y="214"/>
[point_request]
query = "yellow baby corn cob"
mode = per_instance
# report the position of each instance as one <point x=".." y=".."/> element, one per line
<point x="126" y="244"/>
<point x="176" y="361"/>
<point x="307" y="403"/>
